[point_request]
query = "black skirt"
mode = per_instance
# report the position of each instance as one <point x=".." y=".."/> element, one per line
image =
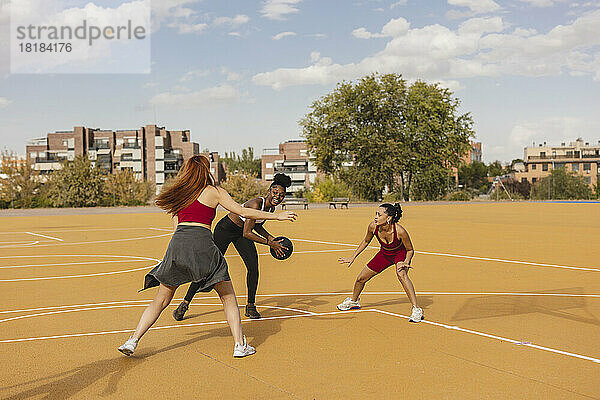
<point x="192" y="256"/>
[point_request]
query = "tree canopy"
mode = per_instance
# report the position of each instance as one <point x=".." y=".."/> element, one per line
<point x="380" y="132"/>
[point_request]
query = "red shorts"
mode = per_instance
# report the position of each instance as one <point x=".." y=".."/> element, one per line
<point x="383" y="260"/>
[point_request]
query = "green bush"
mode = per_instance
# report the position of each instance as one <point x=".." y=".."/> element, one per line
<point x="561" y="185"/>
<point x="325" y="189"/>
<point x="461" y="195"/>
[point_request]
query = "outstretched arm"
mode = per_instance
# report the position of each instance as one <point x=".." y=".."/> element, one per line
<point x="363" y="245"/>
<point x="226" y="201"/>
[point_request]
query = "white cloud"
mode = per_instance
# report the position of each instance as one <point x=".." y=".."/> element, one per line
<point x="553" y="131"/>
<point x="283" y="34"/>
<point x="543" y="3"/>
<point x="394" y="28"/>
<point x="223" y="94"/>
<point x="149" y="85"/>
<point x="398" y="4"/>
<point x="183" y="28"/>
<point x="194" y="73"/>
<point x="476" y="6"/>
<point x="121" y="55"/>
<point x="317" y="35"/>
<point x="278" y="9"/>
<point x="238" y="20"/>
<point x="230" y="75"/>
<point x="478" y="47"/>
<point x="236" y="34"/>
<point x="4" y="102"/>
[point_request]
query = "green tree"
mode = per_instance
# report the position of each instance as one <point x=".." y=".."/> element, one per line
<point x="244" y="164"/>
<point x="77" y="184"/>
<point x="243" y="187"/>
<point x="561" y="185"/>
<point x="496" y="169"/>
<point x="473" y="175"/>
<point x="430" y="184"/>
<point x="20" y="186"/>
<point x="123" y="189"/>
<point x="387" y="131"/>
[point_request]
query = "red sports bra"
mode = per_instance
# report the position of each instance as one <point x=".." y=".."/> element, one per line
<point x="396" y="243"/>
<point x="197" y="212"/>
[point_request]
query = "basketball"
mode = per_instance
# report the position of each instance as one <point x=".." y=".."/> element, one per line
<point x="287" y="243"/>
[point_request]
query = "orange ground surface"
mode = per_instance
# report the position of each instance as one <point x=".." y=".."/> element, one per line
<point x="517" y="318"/>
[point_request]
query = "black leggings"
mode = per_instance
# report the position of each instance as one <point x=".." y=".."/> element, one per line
<point x="226" y="232"/>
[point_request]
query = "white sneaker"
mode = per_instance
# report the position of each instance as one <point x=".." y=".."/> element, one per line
<point x="129" y="346"/>
<point x="348" y="304"/>
<point x="417" y="315"/>
<point x="243" y="350"/>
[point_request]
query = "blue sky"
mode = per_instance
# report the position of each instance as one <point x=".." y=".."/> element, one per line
<point x="242" y="73"/>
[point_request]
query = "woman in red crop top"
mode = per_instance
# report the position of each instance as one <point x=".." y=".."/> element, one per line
<point x="396" y="248"/>
<point x="192" y="255"/>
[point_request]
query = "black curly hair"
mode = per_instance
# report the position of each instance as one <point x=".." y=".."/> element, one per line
<point x="281" y="180"/>
<point x="394" y="211"/>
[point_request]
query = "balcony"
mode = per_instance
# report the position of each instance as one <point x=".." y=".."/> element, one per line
<point x="564" y="157"/>
<point x="127" y="145"/>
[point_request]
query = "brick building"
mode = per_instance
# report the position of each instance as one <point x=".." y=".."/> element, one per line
<point x="290" y="158"/>
<point x="152" y="153"/>
<point x="577" y="157"/>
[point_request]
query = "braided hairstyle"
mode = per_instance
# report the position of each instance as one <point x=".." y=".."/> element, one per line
<point x="394" y="211"/>
<point x="282" y="180"/>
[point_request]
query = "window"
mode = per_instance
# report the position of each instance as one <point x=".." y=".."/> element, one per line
<point x="588" y="179"/>
<point x="65" y="143"/>
<point x="533" y="180"/>
<point x="559" y="165"/>
<point x="523" y="180"/>
<point x="587" y="167"/>
<point x="533" y="166"/>
<point x="269" y="165"/>
<point x="542" y="154"/>
<point x="575" y="167"/>
<point x="544" y="167"/>
<point x="569" y="153"/>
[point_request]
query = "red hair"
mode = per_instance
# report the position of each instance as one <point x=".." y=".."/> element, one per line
<point x="190" y="181"/>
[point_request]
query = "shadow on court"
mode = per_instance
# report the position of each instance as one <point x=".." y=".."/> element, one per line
<point x="423" y="301"/>
<point x="505" y="305"/>
<point x="69" y="383"/>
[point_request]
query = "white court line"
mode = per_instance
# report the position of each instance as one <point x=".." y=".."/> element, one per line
<point x="450" y="327"/>
<point x="462" y="256"/>
<point x="95" y="241"/>
<point x="313" y="294"/>
<point x="61" y="264"/>
<point x="171" y="326"/>
<point x="87" y="230"/>
<point x="162" y="229"/>
<point x="128" y="306"/>
<point x="82" y="275"/>
<point x="45" y="236"/>
<point x="519" y="342"/>
<point x="24" y="244"/>
<point x="114" y="272"/>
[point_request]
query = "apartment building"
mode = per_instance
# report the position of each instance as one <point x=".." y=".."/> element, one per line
<point x="578" y="157"/>
<point x="152" y="153"/>
<point x="290" y="158"/>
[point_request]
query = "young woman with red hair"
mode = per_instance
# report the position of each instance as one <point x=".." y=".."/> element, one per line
<point x="192" y="256"/>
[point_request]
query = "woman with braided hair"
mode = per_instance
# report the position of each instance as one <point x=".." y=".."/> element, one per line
<point x="396" y="248"/>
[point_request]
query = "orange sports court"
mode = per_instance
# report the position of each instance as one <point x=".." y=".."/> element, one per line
<point x="510" y="292"/>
